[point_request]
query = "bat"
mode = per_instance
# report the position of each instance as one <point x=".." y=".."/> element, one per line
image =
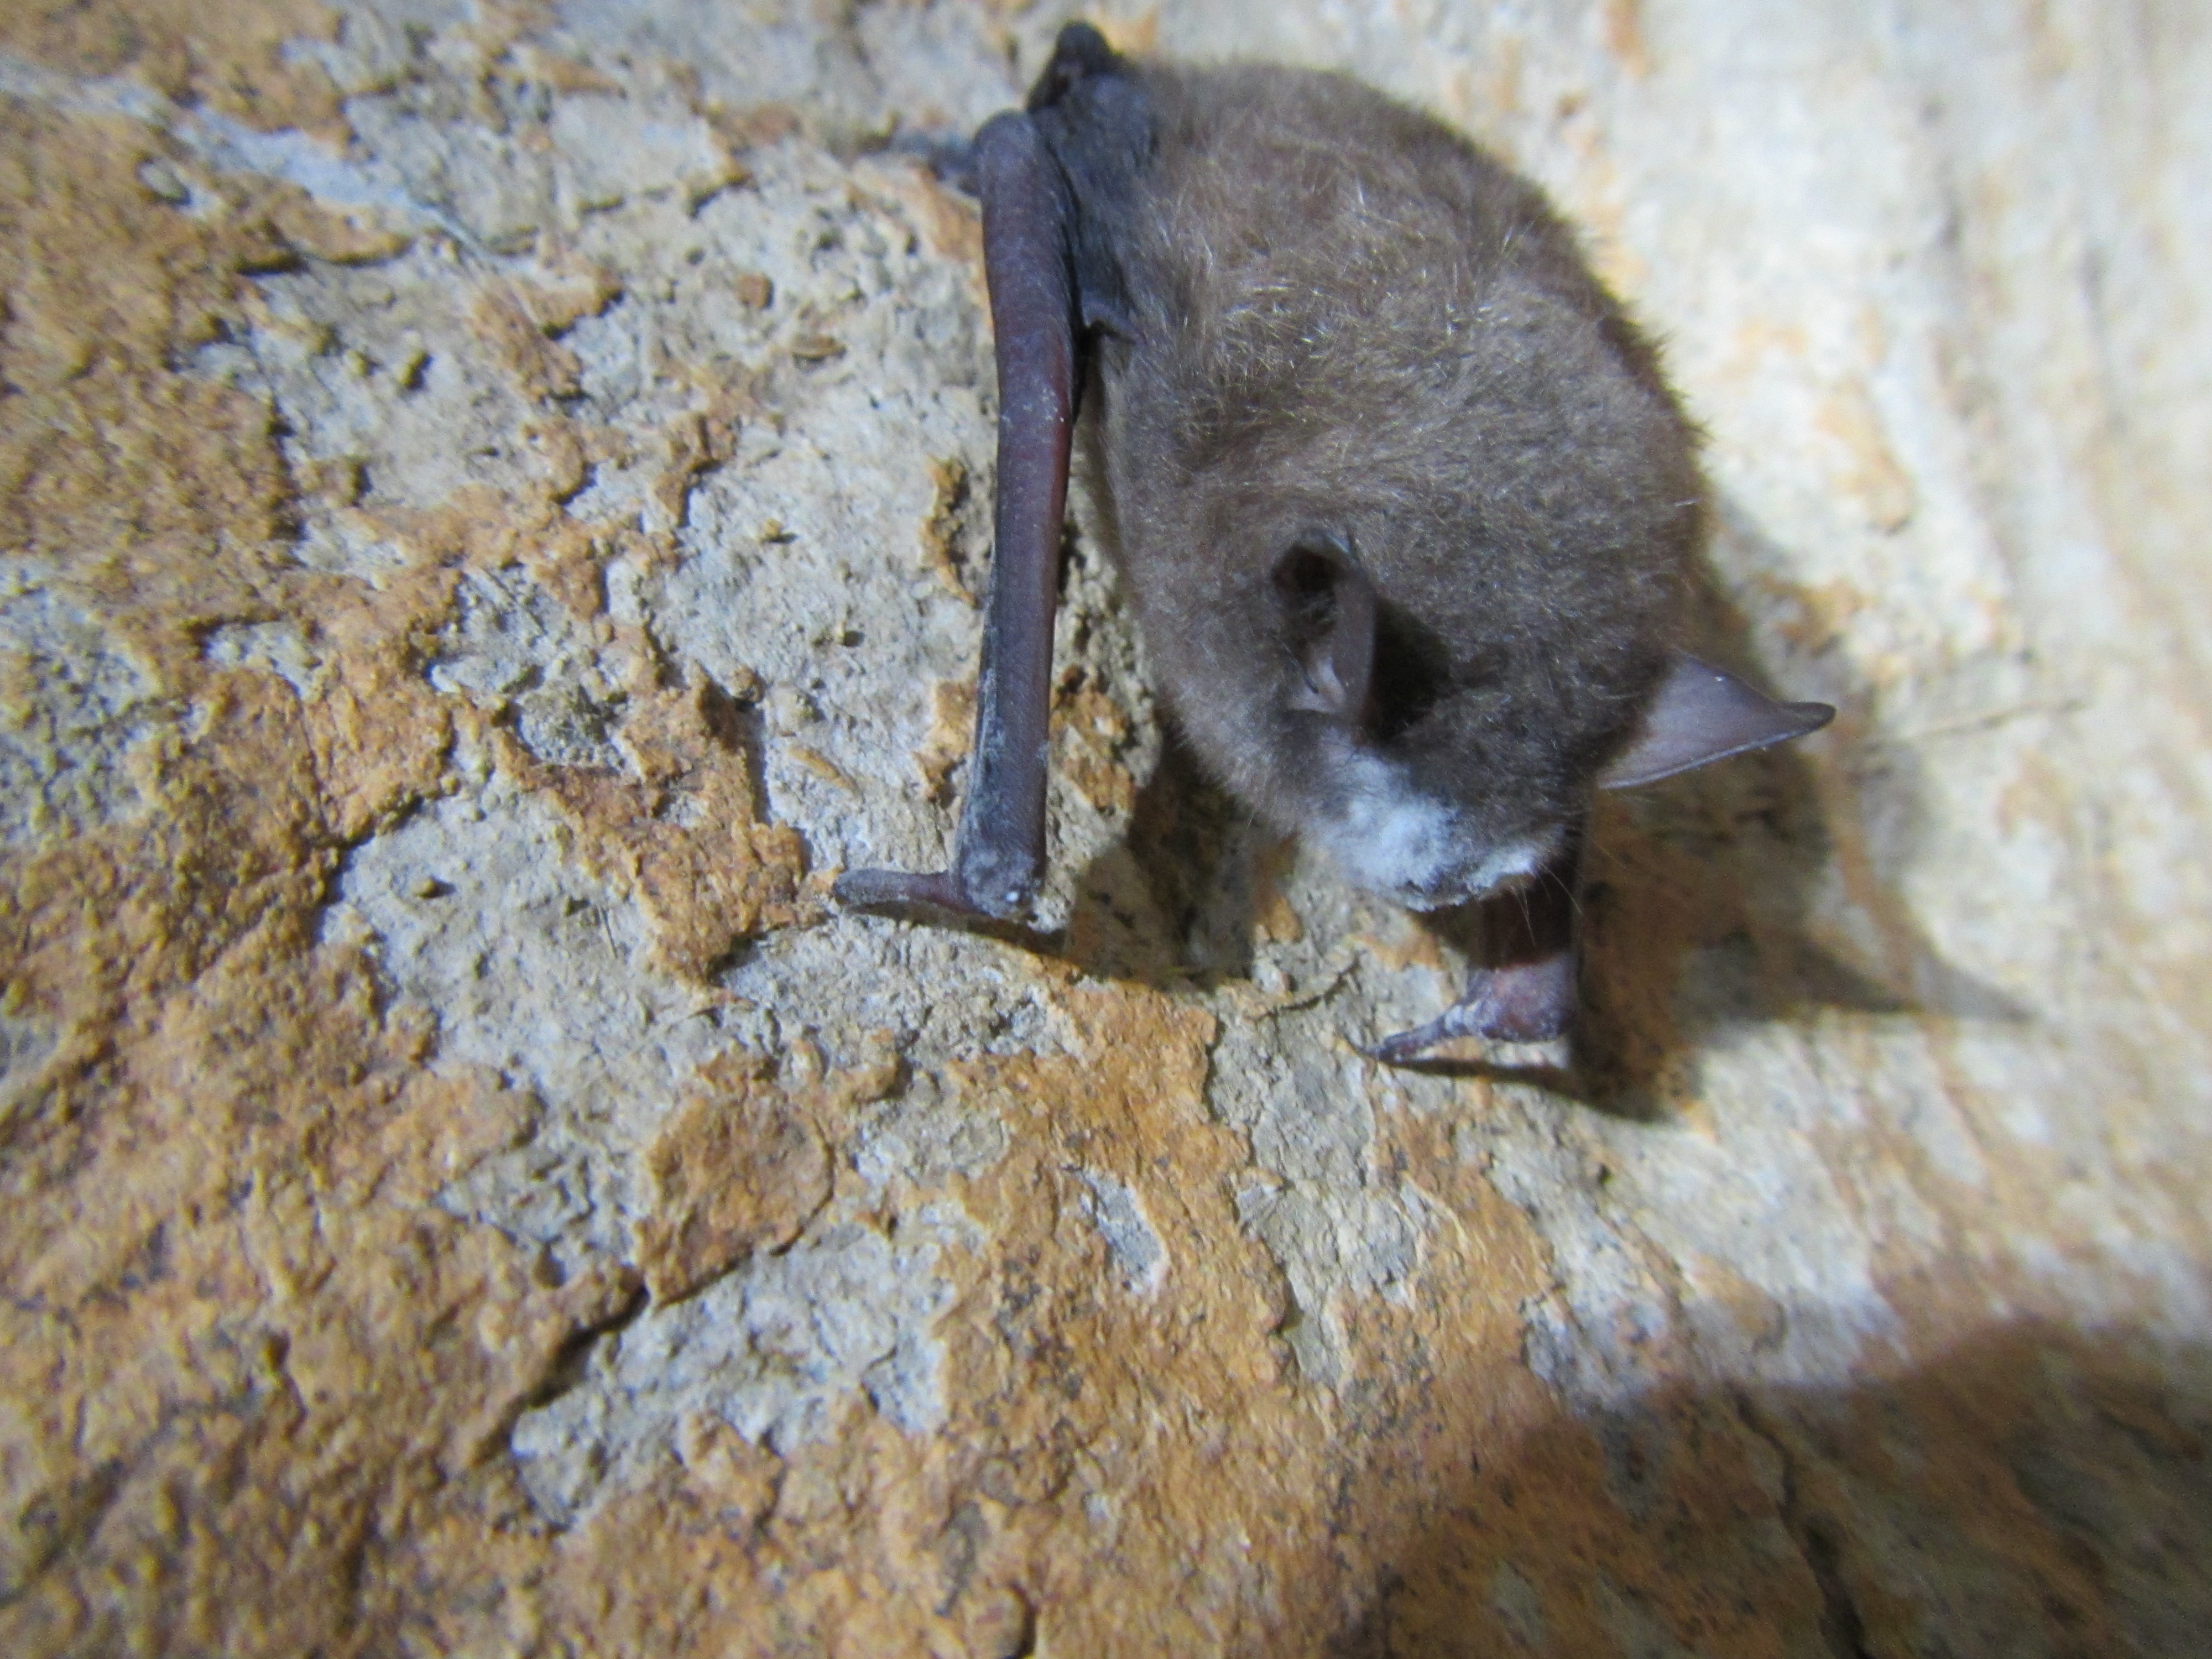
<point x="1403" y="503"/>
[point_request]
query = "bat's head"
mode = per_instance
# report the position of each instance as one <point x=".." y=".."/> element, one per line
<point x="1439" y="751"/>
<point x="1408" y="505"/>
<point x="1435" y="724"/>
<point x="1433" y="773"/>
<point x="1452" y="598"/>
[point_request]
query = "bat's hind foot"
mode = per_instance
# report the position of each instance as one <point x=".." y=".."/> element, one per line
<point x="1520" y="1002"/>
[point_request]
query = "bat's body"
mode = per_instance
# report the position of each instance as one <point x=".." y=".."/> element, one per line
<point x="1402" y="500"/>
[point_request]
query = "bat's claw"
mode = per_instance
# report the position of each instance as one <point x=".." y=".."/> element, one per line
<point x="1520" y="1002"/>
<point x="940" y="896"/>
<point x="944" y="899"/>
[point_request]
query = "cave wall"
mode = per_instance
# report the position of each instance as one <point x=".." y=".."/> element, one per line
<point x="491" y="515"/>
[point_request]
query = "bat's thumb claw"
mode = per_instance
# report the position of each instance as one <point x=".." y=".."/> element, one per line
<point x="940" y="896"/>
<point x="899" y="889"/>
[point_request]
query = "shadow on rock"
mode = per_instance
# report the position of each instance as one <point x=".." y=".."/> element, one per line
<point x="1177" y="902"/>
<point x="2033" y="1491"/>
<point x="1714" y="899"/>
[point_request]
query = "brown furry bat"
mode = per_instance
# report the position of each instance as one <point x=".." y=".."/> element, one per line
<point x="1401" y="499"/>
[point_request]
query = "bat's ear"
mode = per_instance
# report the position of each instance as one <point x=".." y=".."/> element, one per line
<point x="1699" y="715"/>
<point x="1329" y="604"/>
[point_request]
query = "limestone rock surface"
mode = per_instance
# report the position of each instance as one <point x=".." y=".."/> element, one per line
<point x="492" y="511"/>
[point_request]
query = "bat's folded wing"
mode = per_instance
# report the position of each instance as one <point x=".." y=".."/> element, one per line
<point x="999" y="860"/>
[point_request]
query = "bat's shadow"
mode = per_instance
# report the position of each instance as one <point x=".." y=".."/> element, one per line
<point x="1177" y="904"/>
<point x="1760" y="890"/>
<point x="2027" y="1482"/>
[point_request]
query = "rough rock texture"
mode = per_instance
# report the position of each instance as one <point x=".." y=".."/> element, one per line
<point x="491" y="520"/>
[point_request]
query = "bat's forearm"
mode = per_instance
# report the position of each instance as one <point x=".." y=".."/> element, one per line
<point x="1002" y="831"/>
<point x="998" y="859"/>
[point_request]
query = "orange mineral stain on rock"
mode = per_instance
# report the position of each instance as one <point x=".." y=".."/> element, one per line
<point x="1090" y="736"/>
<point x="234" y="61"/>
<point x="1625" y="37"/>
<point x="262" y="1366"/>
<point x="941" y="549"/>
<point x="739" y="1168"/>
<point x="945" y="743"/>
<point x="1873" y="473"/>
<point x="678" y="833"/>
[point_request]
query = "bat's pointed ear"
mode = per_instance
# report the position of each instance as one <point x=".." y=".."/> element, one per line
<point x="1699" y="715"/>
<point x="1330" y="603"/>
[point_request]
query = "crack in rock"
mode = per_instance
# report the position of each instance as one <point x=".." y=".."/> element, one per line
<point x="778" y="1350"/>
<point x="539" y="973"/>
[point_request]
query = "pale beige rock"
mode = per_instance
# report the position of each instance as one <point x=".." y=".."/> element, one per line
<point x="490" y="517"/>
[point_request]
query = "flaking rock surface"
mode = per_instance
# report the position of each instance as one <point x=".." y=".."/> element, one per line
<point x="492" y="511"/>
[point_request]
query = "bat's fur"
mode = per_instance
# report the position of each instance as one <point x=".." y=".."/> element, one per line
<point x="1323" y="321"/>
